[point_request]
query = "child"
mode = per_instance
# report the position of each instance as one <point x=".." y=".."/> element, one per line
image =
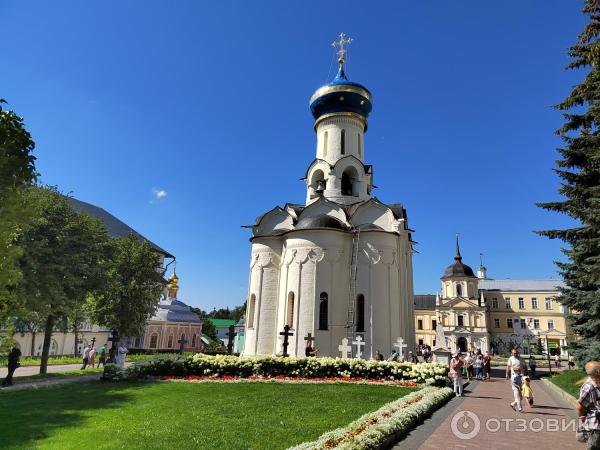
<point x="526" y="391"/>
<point x="516" y="388"/>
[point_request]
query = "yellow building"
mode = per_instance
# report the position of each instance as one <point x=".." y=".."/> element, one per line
<point x="473" y="312"/>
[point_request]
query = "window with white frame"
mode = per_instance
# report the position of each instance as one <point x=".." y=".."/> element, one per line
<point x="523" y="324"/>
<point x="548" y="301"/>
<point x="507" y="302"/>
<point x="509" y="323"/>
<point x="534" y="304"/>
<point x="496" y="323"/>
<point x="521" y="303"/>
<point x="536" y="324"/>
<point x="495" y="303"/>
<point x="550" y="324"/>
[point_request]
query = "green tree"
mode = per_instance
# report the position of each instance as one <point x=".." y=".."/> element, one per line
<point x="133" y="289"/>
<point x="17" y="170"/>
<point x="207" y="326"/>
<point x="63" y="261"/>
<point x="579" y="169"/>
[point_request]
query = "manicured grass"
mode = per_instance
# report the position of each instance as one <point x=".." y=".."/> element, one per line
<point x="570" y="381"/>
<point x="167" y="415"/>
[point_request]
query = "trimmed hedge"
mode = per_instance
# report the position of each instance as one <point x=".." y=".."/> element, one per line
<point x="269" y="367"/>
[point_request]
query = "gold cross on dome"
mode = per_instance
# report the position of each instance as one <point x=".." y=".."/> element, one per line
<point x="343" y="41"/>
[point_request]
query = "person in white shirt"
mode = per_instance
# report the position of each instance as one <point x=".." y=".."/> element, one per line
<point x="86" y="355"/>
<point x="515" y="362"/>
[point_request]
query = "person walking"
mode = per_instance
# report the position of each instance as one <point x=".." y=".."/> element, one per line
<point x="456" y="364"/>
<point x="516" y="384"/>
<point x="102" y="356"/>
<point x="86" y="356"/>
<point x="426" y="353"/>
<point x="526" y="392"/>
<point x="588" y="405"/>
<point x="469" y="365"/>
<point x="532" y="366"/>
<point x="514" y="362"/>
<point x="557" y="361"/>
<point x="571" y="363"/>
<point x="487" y="365"/>
<point x="479" y="367"/>
<point x="92" y="357"/>
<point x="13" y="364"/>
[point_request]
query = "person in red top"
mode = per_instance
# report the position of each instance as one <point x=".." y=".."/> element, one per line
<point x="487" y="365"/>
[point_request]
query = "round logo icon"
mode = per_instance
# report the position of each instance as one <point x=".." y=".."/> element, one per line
<point x="465" y="425"/>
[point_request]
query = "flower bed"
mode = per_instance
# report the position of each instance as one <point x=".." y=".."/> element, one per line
<point x="282" y="379"/>
<point x="220" y="366"/>
<point x="393" y="420"/>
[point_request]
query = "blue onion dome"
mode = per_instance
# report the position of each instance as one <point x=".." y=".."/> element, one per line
<point x="341" y="96"/>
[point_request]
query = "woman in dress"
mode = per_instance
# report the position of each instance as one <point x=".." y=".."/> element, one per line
<point x="456" y="364"/>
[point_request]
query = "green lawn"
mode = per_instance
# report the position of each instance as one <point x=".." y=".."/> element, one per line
<point x="66" y="373"/>
<point x="570" y="381"/>
<point x="55" y="360"/>
<point x="167" y="415"/>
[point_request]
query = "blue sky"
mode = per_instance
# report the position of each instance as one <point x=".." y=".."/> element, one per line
<point x="208" y="102"/>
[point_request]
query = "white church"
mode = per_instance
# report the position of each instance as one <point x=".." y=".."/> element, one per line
<point x="340" y="266"/>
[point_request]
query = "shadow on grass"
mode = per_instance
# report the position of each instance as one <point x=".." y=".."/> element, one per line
<point x="27" y="416"/>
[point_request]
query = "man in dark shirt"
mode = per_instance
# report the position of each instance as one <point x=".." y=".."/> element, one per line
<point x="13" y="363"/>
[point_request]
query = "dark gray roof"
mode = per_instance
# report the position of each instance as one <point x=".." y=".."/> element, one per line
<point x="522" y="285"/>
<point x="425" y="302"/>
<point x="322" y="221"/>
<point x="175" y="311"/>
<point x="114" y="226"/>
<point x="458" y="269"/>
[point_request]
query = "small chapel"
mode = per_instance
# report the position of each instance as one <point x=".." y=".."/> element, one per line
<point x="335" y="272"/>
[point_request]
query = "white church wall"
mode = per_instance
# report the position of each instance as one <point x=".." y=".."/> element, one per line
<point x="330" y="149"/>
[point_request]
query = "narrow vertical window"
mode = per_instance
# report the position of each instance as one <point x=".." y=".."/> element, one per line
<point x="325" y="139"/>
<point x="154" y="341"/>
<point x="170" y="342"/>
<point x="359" y="146"/>
<point x="343" y="142"/>
<point x="360" y="313"/>
<point x="251" y="307"/>
<point x="323" y="310"/>
<point x="290" y="310"/>
<point x="458" y="290"/>
<point x="194" y="341"/>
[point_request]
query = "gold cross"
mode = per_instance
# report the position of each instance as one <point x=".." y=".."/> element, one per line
<point x="342" y="51"/>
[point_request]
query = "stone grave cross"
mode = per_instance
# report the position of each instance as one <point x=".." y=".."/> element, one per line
<point x="286" y="334"/>
<point x="345" y="348"/>
<point x="359" y="345"/>
<point x="400" y="345"/>
<point x="231" y="335"/>
<point x="182" y="341"/>
<point x="114" y="338"/>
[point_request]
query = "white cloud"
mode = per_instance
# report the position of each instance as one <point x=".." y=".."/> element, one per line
<point x="159" y="193"/>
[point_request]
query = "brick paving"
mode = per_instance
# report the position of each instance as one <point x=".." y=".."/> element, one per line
<point x="489" y="401"/>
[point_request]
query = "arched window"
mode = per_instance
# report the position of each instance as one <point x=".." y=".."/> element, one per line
<point x="325" y="139"/>
<point x="458" y="290"/>
<point x="251" y="308"/>
<point x="359" y="145"/>
<point x="290" y="310"/>
<point x="137" y="342"/>
<point x="323" y="310"/>
<point x="360" y="313"/>
<point x="194" y="341"/>
<point x="170" y="342"/>
<point x="154" y="340"/>
<point x="343" y="142"/>
<point x="349" y="177"/>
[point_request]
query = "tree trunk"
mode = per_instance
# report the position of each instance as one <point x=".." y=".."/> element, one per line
<point x="46" y="347"/>
<point x="75" y="350"/>
<point x="32" y="343"/>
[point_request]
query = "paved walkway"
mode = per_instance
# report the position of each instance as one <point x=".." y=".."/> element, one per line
<point x="34" y="370"/>
<point x="488" y="404"/>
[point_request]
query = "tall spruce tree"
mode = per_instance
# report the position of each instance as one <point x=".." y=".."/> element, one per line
<point x="579" y="168"/>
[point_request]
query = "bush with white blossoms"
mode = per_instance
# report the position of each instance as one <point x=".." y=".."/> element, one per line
<point x="270" y="367"/>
